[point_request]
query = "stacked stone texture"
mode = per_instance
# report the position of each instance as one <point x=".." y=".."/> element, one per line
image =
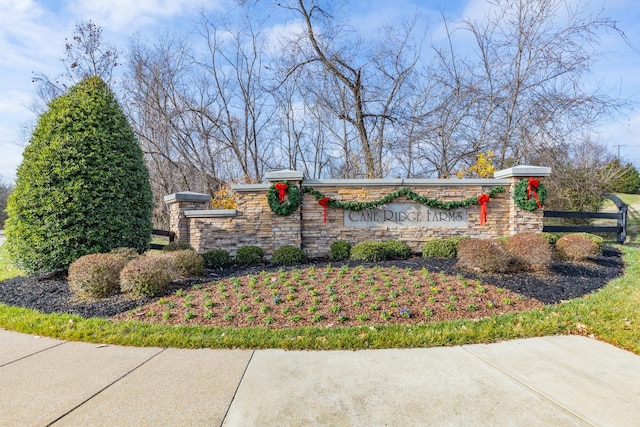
<point x="255" y="224"/>
<point x="317" y="235"/>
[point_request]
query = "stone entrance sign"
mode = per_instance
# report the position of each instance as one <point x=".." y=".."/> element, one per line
<point x="406" y="215"/>
<point x="314" y="226"/>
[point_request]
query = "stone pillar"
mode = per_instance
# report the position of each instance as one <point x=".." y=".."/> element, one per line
<point x="179" y="203"/>
<point x="521" y="220"/>
<point x="287" y="229"/>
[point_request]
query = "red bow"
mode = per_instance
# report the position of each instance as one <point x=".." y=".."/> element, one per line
<point x="532" y="187"/>
<point x="281" y="187"/>
<point x="483" y="199"/>
<point x="324" y="202"/>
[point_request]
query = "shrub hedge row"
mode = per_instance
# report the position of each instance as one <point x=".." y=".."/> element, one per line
<point x="124" y="270"/>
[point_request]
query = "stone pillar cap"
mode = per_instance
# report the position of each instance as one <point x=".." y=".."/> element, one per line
<point x="187" y="196"/>
<point x="284" y="175"/>
<point x="523" y="170"/>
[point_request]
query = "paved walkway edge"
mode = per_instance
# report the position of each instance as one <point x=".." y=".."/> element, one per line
<point x="560" y="381"/>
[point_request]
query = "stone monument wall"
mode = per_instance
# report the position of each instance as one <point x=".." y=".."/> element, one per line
<point x="254" y="223"/>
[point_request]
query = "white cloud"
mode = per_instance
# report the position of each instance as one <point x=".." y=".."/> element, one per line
<point x="277" y="34"/>
<point x="122" y="15"/>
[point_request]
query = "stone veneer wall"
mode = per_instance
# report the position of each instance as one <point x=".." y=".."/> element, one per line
<point x="253" y="223"/>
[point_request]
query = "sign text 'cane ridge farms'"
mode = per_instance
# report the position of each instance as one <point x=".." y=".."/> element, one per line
<point x="406" y="215"/>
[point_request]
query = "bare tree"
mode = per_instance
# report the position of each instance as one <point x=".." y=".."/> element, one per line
<point x="581" y="175"/>
<point x="86" y="54"/>
<point x="535" y="63"/>
<point x="302" y="135"/>
<point x="523" y="87"/>
<point x="228" y="103"/>
<point x="160" y="106"/>
<point x="367" y="84"/>
<point x="200" y="109"/>
<point x="233" y="83"/>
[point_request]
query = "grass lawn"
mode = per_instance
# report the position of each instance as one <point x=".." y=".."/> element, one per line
<point x="7" y="269"/>
<point x="610" y="314"/>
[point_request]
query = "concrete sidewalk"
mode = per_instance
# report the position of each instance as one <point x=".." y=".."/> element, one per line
<point x="550" y="381"/>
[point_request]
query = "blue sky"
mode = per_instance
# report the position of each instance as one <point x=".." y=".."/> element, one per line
<point x="32" y="39"/>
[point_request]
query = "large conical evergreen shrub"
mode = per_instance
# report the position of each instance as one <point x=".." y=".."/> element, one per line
<point x="82" y="186"/>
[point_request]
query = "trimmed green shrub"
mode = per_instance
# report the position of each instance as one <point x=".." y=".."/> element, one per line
<point x="438" y="248"/>
<point x="126" y="254"/>
<point x="576" y="247"/>
<point x="177" y="246"/>
<point x="82" y="186"/>
<point x="442" y="248"/>
<point x="287" y="255"/>
<point x="369" y="250"/>
<point x="530" y="250"/>
<point x="250" y="255"/>
<point x="188" y="263"/>
<point x="340" y="250"/>
<point x="397" y="249"/>
<point x="484" y="256"/>
<point x="96" y="276"/>
<point x="148" y="275"/>
<point x="216" y="258"/>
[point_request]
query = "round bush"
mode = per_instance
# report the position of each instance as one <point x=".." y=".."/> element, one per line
<point x="484" y="256"/>
<point x="148" y="275"/>
<point x="530" y="250"/>
<point x="576" y="247"/>
<point x="177" y="246"/>
<point x="599" y="241"/>
<point x="82" y="186"/>
<point x="339" y="250"/>
<point x="369" y="250"/>
<point x="188" y="263"/>
<point x="397" y="249"/>
<point x="287" y="255"/>
<point x="250" y="255"/>
<point x="216" y="258"/>
<point x="96" y="276"/>
<point x="442" y="248"/>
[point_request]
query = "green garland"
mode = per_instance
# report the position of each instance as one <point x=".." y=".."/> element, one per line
<point x="294" y="198"/>
<point x="404" y="191"/>
<point x="528" y="203"/>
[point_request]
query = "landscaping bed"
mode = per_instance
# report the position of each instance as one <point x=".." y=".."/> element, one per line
<point x="345" y="293"/>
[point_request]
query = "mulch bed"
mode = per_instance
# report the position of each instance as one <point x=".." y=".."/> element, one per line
<point x="50" y="293"/>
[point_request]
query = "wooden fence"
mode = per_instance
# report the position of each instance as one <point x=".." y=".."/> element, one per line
<point x="620" y="229"/>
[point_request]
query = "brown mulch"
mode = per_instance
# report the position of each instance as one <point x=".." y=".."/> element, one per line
<point x="424" y="290"/>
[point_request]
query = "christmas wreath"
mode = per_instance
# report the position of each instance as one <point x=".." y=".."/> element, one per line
<point x="283" y="198"/>
<point x="529" y="194"/>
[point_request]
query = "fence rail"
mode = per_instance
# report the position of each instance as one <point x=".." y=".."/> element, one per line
<point x="165" y="233"/>
<point x="620" y="229"/>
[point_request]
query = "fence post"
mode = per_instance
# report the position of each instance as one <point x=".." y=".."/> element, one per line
<point x="621" y="234"/>
<point x="622" y="224"/>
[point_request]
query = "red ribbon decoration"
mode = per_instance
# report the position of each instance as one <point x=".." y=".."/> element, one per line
<point x="324" y="202"/>
<point x="532" y="187"/>
<point x="483" y="199"/>
<point x="281" y="187"/>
